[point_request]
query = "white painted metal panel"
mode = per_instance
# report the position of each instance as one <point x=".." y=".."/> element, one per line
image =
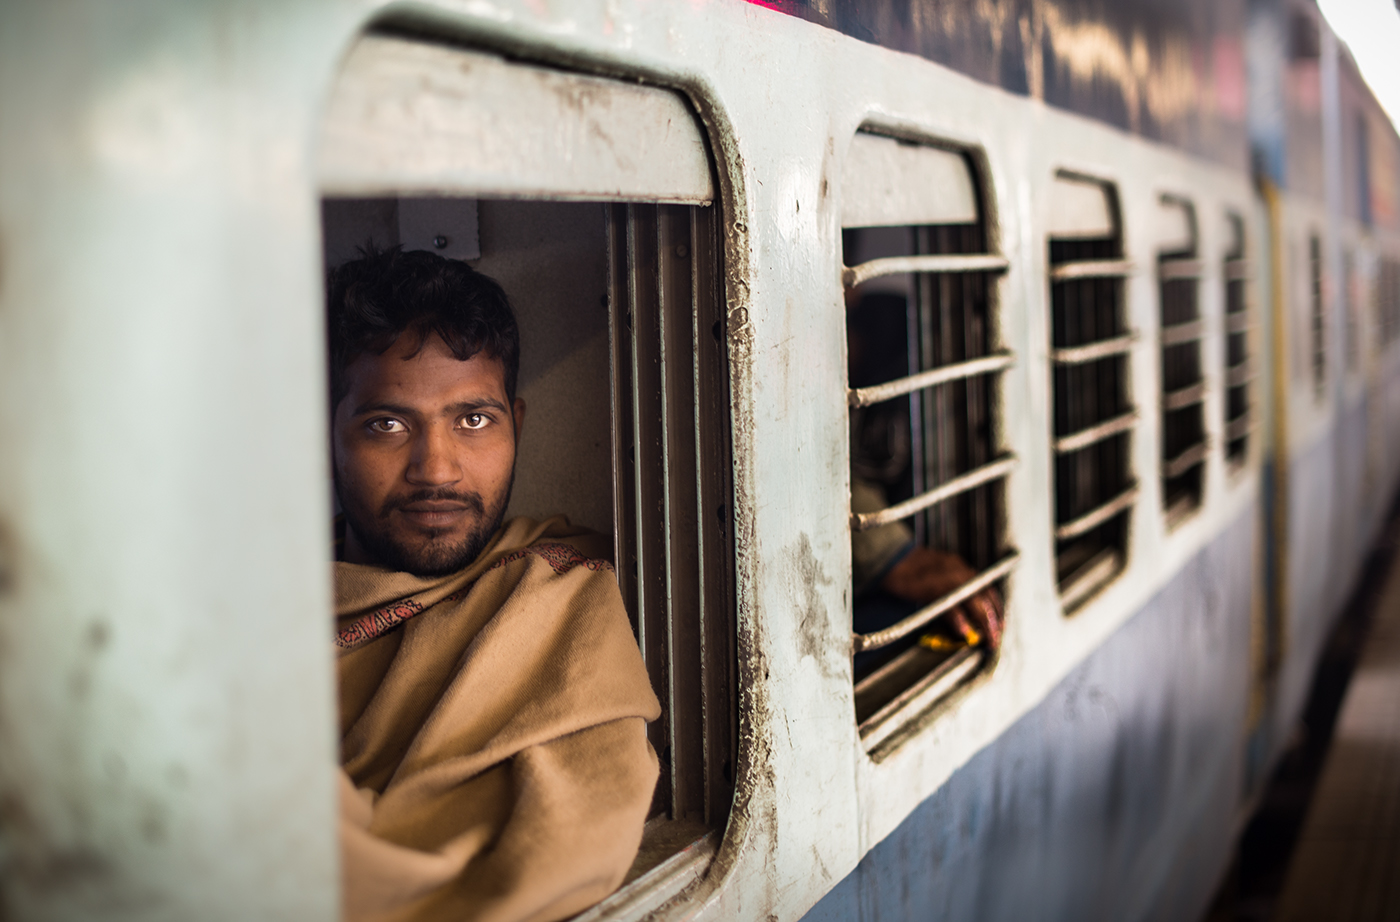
<point x="412" y="118"/>
<point x="886" y="182"/>
<point x="1079" y="209"/>
<point x="1175" y="229"/>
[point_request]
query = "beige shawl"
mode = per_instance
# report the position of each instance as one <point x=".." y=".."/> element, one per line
<point x="493" y="733"/>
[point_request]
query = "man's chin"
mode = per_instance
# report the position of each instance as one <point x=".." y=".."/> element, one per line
<point x="426" y="554"/>
<point x="435" y="558"/>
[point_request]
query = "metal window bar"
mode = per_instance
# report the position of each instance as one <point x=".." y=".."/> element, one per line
<point x="1178" y="333"/>
<point x="671" y="507"/>
<point x="1097" y="516"/>
<point x="862" y="521"/>
<point x="1183" y="381"/>
<point x="1188" y="396"/>
<point x="956" y="478"/>
<point x="851" y="276"/>
<point x="1180" y="268"/>
<point x="1093" y="416"/>
<point x="869" y="396"/>
<point x="1188" y="459"/>
<point x="1086" y="437"/>
<point x="883" y="638"/>
<point x="1092" y="269"/>
<point x="1079" y="355"/>
<point x="1239" y="428"/>
<point x="1239" y="370"/>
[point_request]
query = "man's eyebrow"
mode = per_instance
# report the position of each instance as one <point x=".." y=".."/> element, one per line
<point x="465" y="406"/>
<point x="394" y="408"/>
<point x="485" y="403"/>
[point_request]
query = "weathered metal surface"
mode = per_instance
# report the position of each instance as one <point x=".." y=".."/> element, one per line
<point x="889" y="182"/>
<point x="166" y="741"/>
<point x="410" y="117"/>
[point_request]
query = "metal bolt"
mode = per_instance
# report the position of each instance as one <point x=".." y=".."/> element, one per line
<point x="682" y="251"/>
<point x="440" y="242"/>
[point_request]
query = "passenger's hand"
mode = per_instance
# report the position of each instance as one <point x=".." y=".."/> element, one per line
<point x="926" y="575"/>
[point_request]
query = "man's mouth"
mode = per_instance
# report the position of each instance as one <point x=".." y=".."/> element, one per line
<point x="436" y="513"/>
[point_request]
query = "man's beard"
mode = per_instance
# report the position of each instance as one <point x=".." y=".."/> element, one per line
<point x="432" y="555"/>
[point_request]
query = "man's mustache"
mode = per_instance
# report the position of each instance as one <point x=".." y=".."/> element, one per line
<point x="470" y="500"/>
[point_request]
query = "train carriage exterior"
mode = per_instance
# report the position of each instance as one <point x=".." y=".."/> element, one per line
<point x="685" y="200"/>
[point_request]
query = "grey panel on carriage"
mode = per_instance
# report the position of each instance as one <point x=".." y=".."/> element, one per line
<point x="887" y="182"/>
<point x="408" y="117"/>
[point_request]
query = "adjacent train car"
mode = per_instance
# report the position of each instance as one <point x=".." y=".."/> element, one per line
<point x="1104" y="301"/>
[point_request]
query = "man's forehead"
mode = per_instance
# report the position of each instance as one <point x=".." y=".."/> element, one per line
<point x="423" y="375"/>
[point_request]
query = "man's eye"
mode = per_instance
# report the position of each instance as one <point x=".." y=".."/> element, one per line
<point x="386" y="425"/>
<point x="475" y="421"/>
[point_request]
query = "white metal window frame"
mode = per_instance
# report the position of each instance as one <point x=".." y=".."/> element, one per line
<point x="1082" y="208"/>
<point x="892" y="182"/>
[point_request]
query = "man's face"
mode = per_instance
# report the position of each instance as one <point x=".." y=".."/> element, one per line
<point x="424" y="452"/>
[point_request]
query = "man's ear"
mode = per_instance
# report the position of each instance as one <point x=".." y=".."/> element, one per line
<point x="519" y="413"/>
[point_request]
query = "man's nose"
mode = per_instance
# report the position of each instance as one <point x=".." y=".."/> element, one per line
<point x="434" y="461"/>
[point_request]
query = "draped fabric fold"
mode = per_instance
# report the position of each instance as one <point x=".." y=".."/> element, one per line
<point x="493" y="733"/>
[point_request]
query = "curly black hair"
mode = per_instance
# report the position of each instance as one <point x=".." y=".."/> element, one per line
<point x="373" y="300"/>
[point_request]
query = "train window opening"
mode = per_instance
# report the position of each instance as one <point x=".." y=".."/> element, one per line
<point x="612" y="259"/>
<point x="1094" y="416"/>
<point x="1183" y="382"/>
<point x="1317" y="319"/>
<point x="1387" y="300"/>
<point x="1238" y="368"/>
<point x="1350" y="304"/>
<point x="927" y="466"/>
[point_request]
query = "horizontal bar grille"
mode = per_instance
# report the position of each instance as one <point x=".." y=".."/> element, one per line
<point x="1239" y="369"/>
<point x="1093" y="418"/>
<point x="671" y="464"/>
<point x="935" y="378"/>
<point x="1183" y="380"/>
